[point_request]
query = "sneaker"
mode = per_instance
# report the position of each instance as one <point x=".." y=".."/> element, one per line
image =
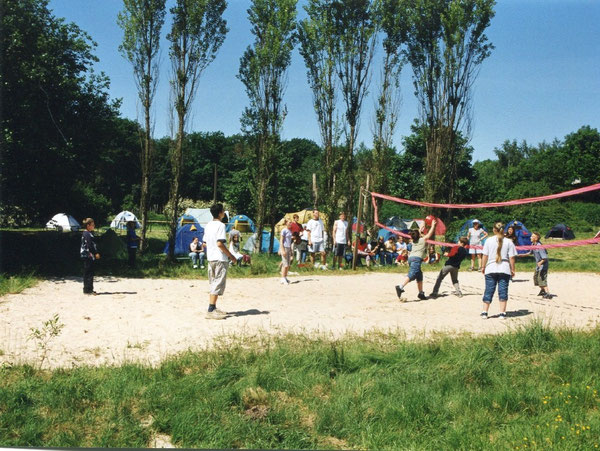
<point x="216" y="314"/>
<point x="547" y="296"/>
<point x="202" y="267"/>
<point x="220" y="312"/>
<point x="458" y="294"/>
<point x="422" y="296"/>
<point x="399" y="291"/>
<point x="195" y="266"/>
<point x="541" y="293"/>
<point x="502" y="315"/>
<point x="483" y="315"/>
<point x="433" y="295"/>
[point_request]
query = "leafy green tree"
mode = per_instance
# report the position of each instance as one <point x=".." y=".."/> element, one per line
<point x="355" y="31"/>
<point x="387" y="107"/>
<point x="263" y="70"/>
<point x="142" y="21"/>
<point x="57" y="117"/>
<point x="445" y="45"/>
<point x="318" y="44"/>
<point x="197" y="33"/>
<point x="582" y="155"/>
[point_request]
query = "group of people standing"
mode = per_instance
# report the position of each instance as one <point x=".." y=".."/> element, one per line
<point x="496" y="258"/>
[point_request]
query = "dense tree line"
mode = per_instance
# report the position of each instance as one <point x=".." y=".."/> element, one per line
<point x="65" y="147"/>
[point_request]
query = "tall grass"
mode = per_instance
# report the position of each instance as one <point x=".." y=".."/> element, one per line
<point x="529" y="388"/>
<point x="16" y="283"/>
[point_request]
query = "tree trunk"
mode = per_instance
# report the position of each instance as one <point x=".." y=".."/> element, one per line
<point x="176" y="166"/>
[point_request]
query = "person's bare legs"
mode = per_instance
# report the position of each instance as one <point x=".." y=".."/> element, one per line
<point x="323" y="258"/>
<point x="479" y="261"/>
<point x="503" y="306"/>
<point x="473" y="262"/>
<point x="486" y="306"/>
<point x="212" y="299"/>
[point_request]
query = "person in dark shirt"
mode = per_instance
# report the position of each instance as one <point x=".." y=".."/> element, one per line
<point x="456" y="256"/>
<point x="132" y="243"/>
<point x="88" y="253"/>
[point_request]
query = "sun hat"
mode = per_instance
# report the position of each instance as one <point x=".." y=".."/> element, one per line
<point x="475" y="220"/>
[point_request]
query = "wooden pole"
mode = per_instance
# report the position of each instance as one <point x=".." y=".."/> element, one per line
<point x="356" y="236"/>
<point x="215" y="184"/>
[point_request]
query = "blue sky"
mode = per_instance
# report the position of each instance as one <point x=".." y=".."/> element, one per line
<point x="541" y="82"/>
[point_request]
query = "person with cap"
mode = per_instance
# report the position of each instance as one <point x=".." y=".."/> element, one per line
<point x="476" y="235"/>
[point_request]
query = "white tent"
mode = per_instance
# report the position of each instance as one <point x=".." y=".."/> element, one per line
<point x="202" y="215"/>
<point x="63" y="223"/>
<point x="121" y="220"/>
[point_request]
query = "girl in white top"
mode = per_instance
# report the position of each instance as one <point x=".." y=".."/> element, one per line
<point x="498" y="266"/>
<point x="476" y="235"/>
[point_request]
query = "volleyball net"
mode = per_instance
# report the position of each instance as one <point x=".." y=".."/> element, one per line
<point x="508" y="203"/>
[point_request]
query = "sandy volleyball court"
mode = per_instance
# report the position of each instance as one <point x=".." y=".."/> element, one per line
<point x="148" y="320"/>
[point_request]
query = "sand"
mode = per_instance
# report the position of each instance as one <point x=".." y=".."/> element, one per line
<point x="148" y="320"/>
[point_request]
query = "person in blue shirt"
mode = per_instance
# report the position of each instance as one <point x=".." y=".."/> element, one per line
<point x="540" y="276"/>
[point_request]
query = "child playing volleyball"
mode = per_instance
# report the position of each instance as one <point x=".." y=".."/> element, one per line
<point x="415" y="259"/>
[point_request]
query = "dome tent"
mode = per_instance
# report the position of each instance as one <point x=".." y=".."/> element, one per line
<point x="242" y="223"/>
<point x="184" y="236"/>
<point x="523" y="235"/>
<point x="63" y="223"/>
<point x="120" y="221"/>
<point x="561" y="231"/>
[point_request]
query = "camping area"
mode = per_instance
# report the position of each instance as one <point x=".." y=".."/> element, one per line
<point x="290" y="224"/>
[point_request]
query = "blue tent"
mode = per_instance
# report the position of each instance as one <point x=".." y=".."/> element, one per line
<point x="184" y="236"/>
<point x="386" y="233"/>
<point x="523" y="235"/>
<point x="186" y="219"/>
<point x="239" y="222"/>
<point x="266" y="237"/>
<point x="465" y="229"/>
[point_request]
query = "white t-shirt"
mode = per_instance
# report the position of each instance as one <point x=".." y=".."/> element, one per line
<point x="340" y="231"/>
<point x="286" y="237"/>
<point x="490" y="248"/>
<point x="475" y="236"/>
<point x="316" y="229"/>
<point x="214" y="232"/>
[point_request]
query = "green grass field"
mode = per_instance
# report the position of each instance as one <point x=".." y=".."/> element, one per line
<point x="529" y="388"/>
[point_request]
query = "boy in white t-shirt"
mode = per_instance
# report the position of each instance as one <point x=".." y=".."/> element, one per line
<point x="218" y="257"/>
<point x="316" y="239"/>
<point x="340" y="235"/>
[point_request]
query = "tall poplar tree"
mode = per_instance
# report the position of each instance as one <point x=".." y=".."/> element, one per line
<point x="446" y="45"/>
<point x="142" y="21"/>
<point x="197" y="33"/>
<point x="356" y="27"/>
<point x="317" y="39"/>
<point x="263" y="71"/>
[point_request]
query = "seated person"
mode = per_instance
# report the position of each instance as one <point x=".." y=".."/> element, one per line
<point x="433" y="257"/>
<point x="390" y="250"/>
<point x="378" y="248"/>
<point x="362" y="251"/>
<point x="235" y="246"/>
<point x="197" y="252"/>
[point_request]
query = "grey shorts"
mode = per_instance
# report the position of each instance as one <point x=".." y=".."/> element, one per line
<point x="286" y="256"/>
<point x="317" y="247"/>
<point x="217" y="276"/>
<point x="540" y="278"/>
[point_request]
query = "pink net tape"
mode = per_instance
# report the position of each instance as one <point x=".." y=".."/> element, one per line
<point x="507" y="203"/>
<point x="441" y="243"/>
